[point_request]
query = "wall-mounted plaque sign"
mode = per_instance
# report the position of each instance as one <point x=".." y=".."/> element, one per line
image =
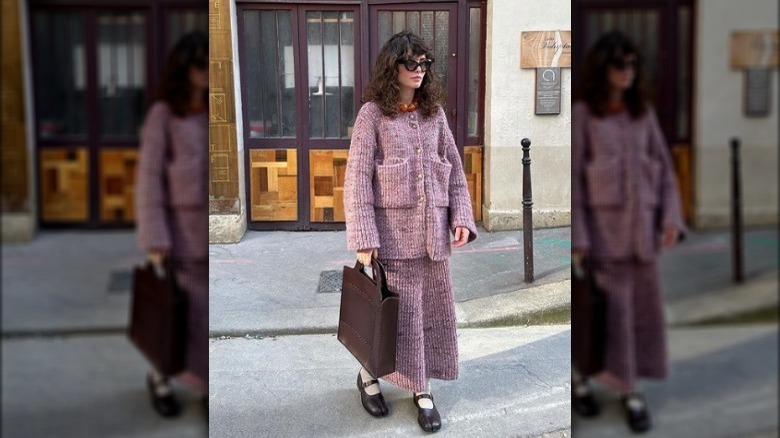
<point x="756" y="92"/>
<point x="755" y="48"/>
<point x="545" y="49"/>
<point x="548" y="90"/>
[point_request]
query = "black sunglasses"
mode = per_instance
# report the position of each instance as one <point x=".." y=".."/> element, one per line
<point x="623" y="64"/>
<point x="200" y="63"/>
<point x="412" y="65"/>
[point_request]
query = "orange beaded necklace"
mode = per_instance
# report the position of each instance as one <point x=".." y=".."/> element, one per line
<point x="409" y="108"/>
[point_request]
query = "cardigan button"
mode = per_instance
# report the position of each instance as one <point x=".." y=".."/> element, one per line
<point x="414" y="125"/>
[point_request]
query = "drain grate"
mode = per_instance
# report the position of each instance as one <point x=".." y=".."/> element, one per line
<point x="330" y="282"/>
<point x="120" y="282"/>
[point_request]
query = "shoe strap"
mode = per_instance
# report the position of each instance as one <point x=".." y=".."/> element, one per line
<point x="417" y="397"/>
<point x="369" y="383"/>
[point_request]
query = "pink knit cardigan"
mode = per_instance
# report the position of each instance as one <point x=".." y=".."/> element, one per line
<point x="623" y="185"/>
<point x="405" y="189"/>
<point x="171" y="194"/>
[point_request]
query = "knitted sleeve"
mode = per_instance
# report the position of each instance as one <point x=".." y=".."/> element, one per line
<point x="671" y="210"/>
<point x="358" y="181"/>
<point x="579" y="230"/>
<point x="151" y="194"/>
<point x="461" y="213"/>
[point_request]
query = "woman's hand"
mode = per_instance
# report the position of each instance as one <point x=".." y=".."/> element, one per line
<point x="157" y="256"/>
<point x="461" y="236"/>
<point x="670" y="236"/>
<point x="364" y="256"/>
<point x="578" y="256"/>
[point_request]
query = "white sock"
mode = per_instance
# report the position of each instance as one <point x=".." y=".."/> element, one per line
<point x="161" y="388"/>
<point x="365" y="376"/>
<point x="581" y="389"/>
<point x="425" y="403"/>
<point x="634" y="402"/>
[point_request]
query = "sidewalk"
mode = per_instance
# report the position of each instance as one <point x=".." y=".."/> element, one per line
<point x="722" y="383"/>
<point x="514" y="382"/>
<point x="268" y="283"/>
<point x="65" y="302"/>
<point x="68" y="367"/>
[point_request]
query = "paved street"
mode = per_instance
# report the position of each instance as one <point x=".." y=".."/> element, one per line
<point x="67" y="366"/>
<point x="68" y="370"/>
<point x="514" y="381"/>
<point x="723" y="383"/>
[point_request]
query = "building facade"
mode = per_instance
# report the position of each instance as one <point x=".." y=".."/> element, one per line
<point x="700" y="92"/>
<point x="78" y="77"/>
<point x="287" y="80"/>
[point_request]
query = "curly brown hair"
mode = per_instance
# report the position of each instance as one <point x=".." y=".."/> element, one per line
<point x="175" y="88"/>
<point x="594" y="87"/>
<point x="383" y="86"/>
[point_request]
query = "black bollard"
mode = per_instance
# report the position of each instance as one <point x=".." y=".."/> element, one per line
<point x="528" y="219"/>
<point x="736" y="213"/>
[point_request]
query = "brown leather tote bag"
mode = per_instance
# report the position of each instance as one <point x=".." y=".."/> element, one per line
<point x="368" y="318"/>
<point x="588" y="321"/>
<point x="158" y="318"/>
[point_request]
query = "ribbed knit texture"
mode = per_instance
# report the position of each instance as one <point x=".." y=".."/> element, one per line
<point x="171" y="193"/>
<point x="404" y="193"/>
<point x="623" y="185"/>
<point x="172" y="211"/>
<point x="427" y="345"/>
<point x="405" y="190"/>
<point x="623" y="194"/>
<point x="635" y="340"/>
<point x="193" y="279"/>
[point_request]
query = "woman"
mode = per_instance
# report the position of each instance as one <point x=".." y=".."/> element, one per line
<point x="171" y="201"/>
<point x="625" y="208"/>
<point x="405" y="191"/>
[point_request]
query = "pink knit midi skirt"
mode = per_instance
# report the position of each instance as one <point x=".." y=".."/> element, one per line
<point x="427" y="346"/>
<point x="192" y="277"/>
<point x="635" y="344"/>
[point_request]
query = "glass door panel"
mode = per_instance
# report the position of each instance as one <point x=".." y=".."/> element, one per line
<point x="121" y="63"/>
<point x="270" y="79"/>
<point x="60" y="98"/>
<point x="330" y="51"/>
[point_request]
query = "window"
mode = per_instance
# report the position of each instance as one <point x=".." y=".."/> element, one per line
<point x="331" y="73"/>
<point x="121" y="61"/>
<point x="270" y="78"/>
<point x="60" y="99"/>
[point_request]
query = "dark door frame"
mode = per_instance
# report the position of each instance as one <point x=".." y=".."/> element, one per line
<point x="154" y="12"/>
<point x="365" y="25"/>
<point x="667" y="38"/>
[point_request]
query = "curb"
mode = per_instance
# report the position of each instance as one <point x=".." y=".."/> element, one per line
<point x="538" y="305"/>
<point x="755" y="295"/>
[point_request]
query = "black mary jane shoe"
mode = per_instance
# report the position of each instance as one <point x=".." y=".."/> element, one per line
<point x="638" y="418"/>
<point x="429" y="419"/>
<point x="584" y="403"/>
<point x="373" y="404"/>
<point x="166" y="405"/>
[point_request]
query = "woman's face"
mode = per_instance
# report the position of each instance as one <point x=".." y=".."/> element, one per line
<point x="199" y="76"/>
<point x="621" y="72"/>
<point x="411" y="79"/>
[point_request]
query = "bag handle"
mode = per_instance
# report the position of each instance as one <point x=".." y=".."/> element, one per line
<point x="165" y="271"/>
<point x="380" y="280"/>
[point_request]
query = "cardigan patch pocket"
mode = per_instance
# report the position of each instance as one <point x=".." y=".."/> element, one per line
<point x="651" y="174"/>
<point x="605" y="183"/>
<point x="441" y="172"/>
<point x="392" y="187"/>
